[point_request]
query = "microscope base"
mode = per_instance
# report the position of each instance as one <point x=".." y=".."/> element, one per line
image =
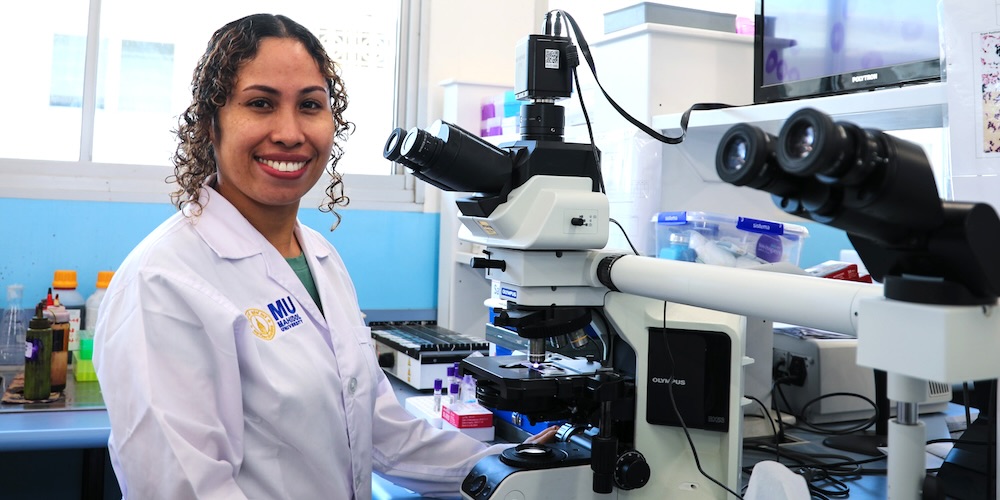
<point x="566" y="475"/>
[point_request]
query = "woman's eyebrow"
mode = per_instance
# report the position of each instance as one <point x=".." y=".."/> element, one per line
<point x="271" y="90"/>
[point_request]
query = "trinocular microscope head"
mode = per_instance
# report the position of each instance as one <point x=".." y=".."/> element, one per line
<point x="537" y="206"/>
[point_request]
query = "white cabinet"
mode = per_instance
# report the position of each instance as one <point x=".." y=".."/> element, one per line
<point x="461" y="289"/>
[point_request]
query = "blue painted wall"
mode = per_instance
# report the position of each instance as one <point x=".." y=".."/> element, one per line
<point x="824" y="243"/>
<point x="392" y="256"/>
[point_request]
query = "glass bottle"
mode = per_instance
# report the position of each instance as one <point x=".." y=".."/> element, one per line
<point x="59" y="318"/>
<point x="12" y="334"/>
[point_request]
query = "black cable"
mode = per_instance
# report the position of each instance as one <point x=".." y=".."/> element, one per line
<point x="677" y="413"/>
<point x="804" y="423"/>
<point x="627" y="240"/>
<point x="777" y="409"/>
<point x="965" y="401"/>
<point x="825" y="480"/>
<point x="573" y="61"/>
<point x="774" y="428"/>
<point x="590" y="131"/>
<point x="685" y="117"/>
<point x="557" y="25"/>
<point x="957" y="440"/>
<point x="864" y="425"/>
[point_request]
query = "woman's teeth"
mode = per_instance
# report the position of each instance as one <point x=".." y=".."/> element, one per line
<point x="283" y="166"/>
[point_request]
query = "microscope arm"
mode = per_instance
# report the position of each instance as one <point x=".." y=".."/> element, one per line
<point x="796" y="299"/>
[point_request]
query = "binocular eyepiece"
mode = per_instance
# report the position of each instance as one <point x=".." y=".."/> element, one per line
<point x="861" y="180"/>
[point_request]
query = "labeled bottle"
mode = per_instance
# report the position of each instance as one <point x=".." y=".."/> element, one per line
<point x="59" y="320"/>
<point x="38" y="357"/>
<point x="94" y="301"/>
<point x="64" y="287"/>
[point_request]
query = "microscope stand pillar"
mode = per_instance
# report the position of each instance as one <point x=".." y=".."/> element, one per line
<point x="914" y="343"/>
<point x="907" y="438"/>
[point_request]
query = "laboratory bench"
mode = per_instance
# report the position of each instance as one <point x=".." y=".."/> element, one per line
<point x="59" y="450"/>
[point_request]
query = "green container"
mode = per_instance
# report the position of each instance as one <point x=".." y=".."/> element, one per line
<point x="84" y="371"/>
<point x="86" y="348"/>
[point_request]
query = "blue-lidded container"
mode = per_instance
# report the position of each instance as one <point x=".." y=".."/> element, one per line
<point x="726" y="240"/>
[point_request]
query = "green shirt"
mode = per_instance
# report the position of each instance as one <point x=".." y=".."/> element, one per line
<point x="301" y="268"/>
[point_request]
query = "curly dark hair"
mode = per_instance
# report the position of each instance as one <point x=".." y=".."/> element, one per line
<point x="229" y="48"/>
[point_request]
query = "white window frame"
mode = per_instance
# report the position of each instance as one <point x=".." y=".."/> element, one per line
<point x="86" y="180"/>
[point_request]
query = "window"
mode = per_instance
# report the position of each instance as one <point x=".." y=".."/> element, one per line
<point x="66" y="86"/>
<point x="146" y="69"/>
<point x="140" y="83"/>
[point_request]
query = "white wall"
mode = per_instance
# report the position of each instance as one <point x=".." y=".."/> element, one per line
<point x="471" y="41"/>
<point x="474" y="41"/>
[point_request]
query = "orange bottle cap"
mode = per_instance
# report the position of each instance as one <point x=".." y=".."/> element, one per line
<point x="104" y="278"/>
<point x="64" y="279"/>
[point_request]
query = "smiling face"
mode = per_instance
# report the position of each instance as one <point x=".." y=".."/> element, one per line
<point x="273" y="137"/>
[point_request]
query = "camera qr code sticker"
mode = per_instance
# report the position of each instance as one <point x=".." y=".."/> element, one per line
<point x="551" y="58"/>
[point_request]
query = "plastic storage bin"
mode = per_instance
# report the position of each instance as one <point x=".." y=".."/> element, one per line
<point x="726" y="240"/>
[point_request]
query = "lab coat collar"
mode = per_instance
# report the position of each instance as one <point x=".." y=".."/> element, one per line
<point x="227" y="232"/>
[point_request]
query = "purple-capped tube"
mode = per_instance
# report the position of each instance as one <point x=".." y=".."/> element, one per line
<point x="437" y="395"/>
<point x="453" y="393"/>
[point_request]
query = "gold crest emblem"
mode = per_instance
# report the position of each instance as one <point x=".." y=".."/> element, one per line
<point x="261" y="323"/>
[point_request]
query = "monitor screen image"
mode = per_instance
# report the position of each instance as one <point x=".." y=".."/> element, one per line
<point x="807" y="49"/>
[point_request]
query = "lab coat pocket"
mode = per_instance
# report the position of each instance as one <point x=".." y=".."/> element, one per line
<point x="363" y="335"/>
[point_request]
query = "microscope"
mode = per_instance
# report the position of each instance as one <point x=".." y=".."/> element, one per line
<point x="659" y="413"/>
<point x="539" y="209"/>
<point x="937" y="317"/>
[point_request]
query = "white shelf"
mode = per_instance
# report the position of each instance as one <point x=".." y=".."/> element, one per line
<point x="910" y="107"/>
<point x="689" y="178"/>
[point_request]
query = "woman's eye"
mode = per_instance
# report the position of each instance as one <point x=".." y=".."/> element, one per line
<point x="259" y="103"/>
<point x="312" y="105"/>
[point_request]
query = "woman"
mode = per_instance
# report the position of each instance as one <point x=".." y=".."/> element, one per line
<point x="230" y="349"/>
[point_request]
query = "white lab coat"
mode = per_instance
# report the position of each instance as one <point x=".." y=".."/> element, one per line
<point x="223" y="380"/>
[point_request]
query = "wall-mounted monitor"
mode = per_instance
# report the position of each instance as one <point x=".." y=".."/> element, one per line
<point x="822" y="47"/>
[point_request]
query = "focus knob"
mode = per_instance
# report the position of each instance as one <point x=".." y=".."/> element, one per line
<point x="631" y="471"/>
<point x="481" y="263"/>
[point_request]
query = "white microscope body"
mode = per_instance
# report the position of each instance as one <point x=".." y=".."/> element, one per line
<point x="914" y="343"/>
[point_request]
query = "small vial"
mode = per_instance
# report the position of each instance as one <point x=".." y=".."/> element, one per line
<point x="453" y="390"/>
<point x="437" y="395"/>
<point x="468" y="389"/>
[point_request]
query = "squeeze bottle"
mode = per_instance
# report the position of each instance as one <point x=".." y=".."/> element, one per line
<point x="94" y="301"/>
